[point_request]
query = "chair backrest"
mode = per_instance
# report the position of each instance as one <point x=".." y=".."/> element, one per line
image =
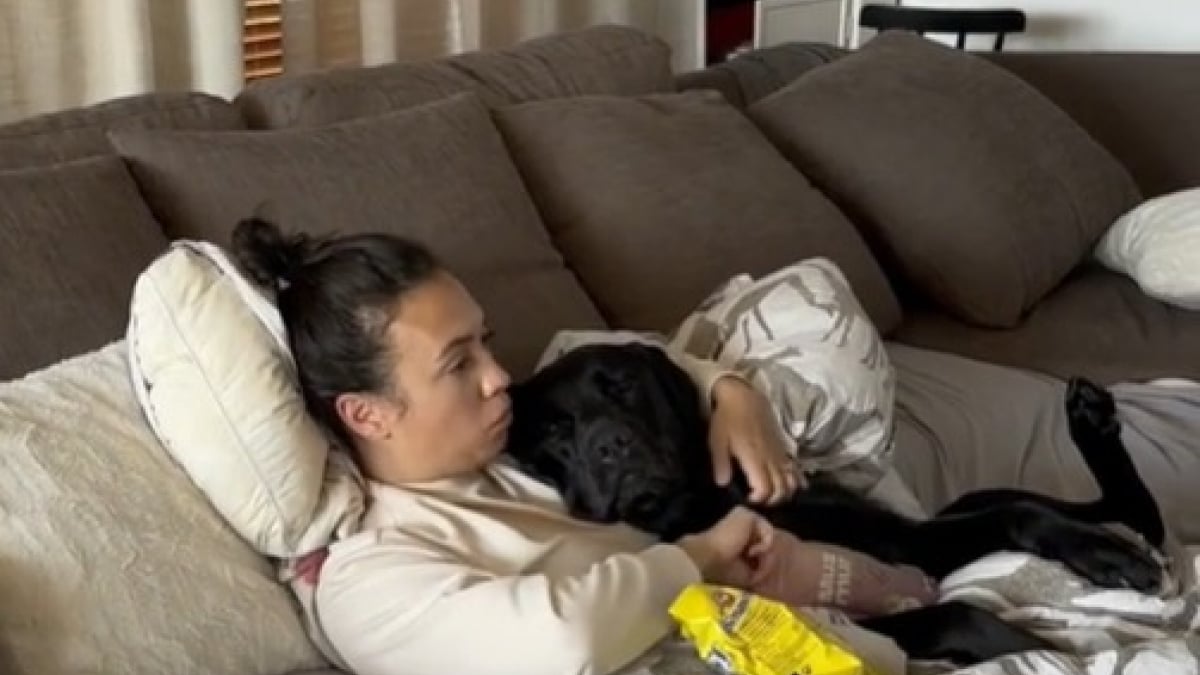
<point x="960" y="21"/>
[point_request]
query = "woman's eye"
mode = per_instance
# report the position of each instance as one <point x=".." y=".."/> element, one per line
<point x="460" y="365"/>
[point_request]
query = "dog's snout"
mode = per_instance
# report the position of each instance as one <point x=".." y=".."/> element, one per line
<point x="613" y="442"/>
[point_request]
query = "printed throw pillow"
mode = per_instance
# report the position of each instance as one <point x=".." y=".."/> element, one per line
<point x="801" y="336"/>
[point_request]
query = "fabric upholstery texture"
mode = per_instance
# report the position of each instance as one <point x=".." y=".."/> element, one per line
<point x="1142" y="107"/>
<point x="1098" y="324"/>
<point x="756" y="74"/>
<point x="597" y="60"/>
<point x="111" y="561"/>
<point x="73" y="237"/>
<point x="974" y="187"/>
<point x="80" y="132"/>
<point x="655" y="200"/>
<point x="437" y="173"/>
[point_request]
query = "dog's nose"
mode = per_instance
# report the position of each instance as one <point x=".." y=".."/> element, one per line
<point x="613" y="442"/>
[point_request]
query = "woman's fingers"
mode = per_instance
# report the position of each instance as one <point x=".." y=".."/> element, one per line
<point x="722" y="460"/>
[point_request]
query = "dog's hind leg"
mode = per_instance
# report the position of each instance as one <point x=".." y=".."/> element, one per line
<point x="954" y="631"/>
<point x="1096" y="431"/>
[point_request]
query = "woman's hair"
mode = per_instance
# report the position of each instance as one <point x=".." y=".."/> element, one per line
<point x="337" y="297"/>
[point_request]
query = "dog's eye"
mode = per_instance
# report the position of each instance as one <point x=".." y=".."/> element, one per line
<point x="556" y="428"/>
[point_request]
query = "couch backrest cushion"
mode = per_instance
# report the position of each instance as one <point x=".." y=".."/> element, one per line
<point x="110" y="559"/>
<point x="1142" y="107"/>
<point x="596" y="60"/>
<point x="979" y="191"/>
<point x="753" y="75"/>
<point x="438" y="173"/>
<point x="657" y="200"/>
<point x="80" y="132"/>
<point x="73" y="238"/>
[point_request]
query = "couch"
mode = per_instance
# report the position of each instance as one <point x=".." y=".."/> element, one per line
<point x="575" y="182"/>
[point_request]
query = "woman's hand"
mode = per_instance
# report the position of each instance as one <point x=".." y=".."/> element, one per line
<point x="743" y="427"/>
<point x="727" y="552"/>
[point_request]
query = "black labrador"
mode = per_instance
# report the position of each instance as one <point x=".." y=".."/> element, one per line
<point x="618" y="430"/>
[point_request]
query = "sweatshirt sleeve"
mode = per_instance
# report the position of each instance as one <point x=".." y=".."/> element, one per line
<point x="391" y="606"/>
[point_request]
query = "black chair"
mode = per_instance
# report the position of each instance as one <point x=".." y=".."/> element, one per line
<point x="961" y="21"/>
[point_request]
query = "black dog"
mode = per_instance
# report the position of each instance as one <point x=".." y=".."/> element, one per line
<point x="618" y="430"/>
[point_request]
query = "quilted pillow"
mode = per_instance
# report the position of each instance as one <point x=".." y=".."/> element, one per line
<point x="111" y="561"/>
<point x="214" y="374"/>
<point x="1157" y="244"/>
<point x="801" y="336"/>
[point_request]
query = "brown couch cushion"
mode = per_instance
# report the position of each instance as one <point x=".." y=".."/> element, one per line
<point x="1142" y="107"/>
<point x="1097" y="324"/>
<point x="975" y="187"/>
<point x="73" y="238"/>
<point x="438" y="173"/>
<point x="755" y="74"/>
<point x="597" y="60"/>
<point x="658" y="199"/>
<point x="80" y="132"/>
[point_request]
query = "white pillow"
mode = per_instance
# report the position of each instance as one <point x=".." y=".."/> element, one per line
<point x="1157" y="244"/>
<point x="111" y="560"/>
<point x="800" y="335"/>
<point x="210" y="363"/>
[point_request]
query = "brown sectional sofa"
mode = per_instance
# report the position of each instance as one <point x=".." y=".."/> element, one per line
<point x="570" y="186"/>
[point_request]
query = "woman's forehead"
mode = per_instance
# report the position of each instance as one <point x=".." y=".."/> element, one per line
<point x="434" y="317"/>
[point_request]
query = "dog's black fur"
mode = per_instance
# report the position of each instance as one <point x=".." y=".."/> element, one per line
<point x="619" y="431"/>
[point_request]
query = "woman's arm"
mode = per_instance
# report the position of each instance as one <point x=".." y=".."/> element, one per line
<point x="392" y="607"/>
<point x="742" y="427"/>
<point x="705" y="374"/>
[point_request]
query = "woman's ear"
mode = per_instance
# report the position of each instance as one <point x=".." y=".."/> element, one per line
<point x="368" y="416"/>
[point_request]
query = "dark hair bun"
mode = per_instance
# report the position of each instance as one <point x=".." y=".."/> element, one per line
<point x="266" y="255"/>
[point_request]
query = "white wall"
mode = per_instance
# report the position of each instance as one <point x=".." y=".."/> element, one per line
<point x="1090" y="25"/>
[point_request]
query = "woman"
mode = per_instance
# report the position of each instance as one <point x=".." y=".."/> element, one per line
<point x="464" y="564"/>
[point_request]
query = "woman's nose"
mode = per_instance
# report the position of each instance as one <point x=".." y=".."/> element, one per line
<point x="495" y="378"/>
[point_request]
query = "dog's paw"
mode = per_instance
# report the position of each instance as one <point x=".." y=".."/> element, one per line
<point x="1091" y="413"/>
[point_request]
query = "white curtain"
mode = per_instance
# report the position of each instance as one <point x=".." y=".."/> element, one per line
<point x="56" y="54"/>
<point x="331" y="33"/>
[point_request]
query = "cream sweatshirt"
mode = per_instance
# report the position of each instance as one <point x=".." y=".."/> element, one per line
<point x="486" y="574"/>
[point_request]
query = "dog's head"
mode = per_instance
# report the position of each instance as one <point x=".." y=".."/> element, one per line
<point x="619" y="431"/>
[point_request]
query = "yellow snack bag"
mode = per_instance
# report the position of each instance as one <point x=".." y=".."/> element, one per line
<point x="740" y="633"/>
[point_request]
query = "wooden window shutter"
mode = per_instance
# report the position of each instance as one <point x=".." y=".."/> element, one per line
<point x="262" y="38"/>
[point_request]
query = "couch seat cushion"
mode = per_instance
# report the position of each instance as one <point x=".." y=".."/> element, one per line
<point x="111" y="561"/>
<point x="977" y="190"/>
<point x="437" y="173"/>
<point x="1098" y="324"/>
<point x="656" y="200"/>
<point x="73" y="238"/>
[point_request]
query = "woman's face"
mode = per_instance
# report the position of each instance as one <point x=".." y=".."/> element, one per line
<point x="451" y="412"/>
